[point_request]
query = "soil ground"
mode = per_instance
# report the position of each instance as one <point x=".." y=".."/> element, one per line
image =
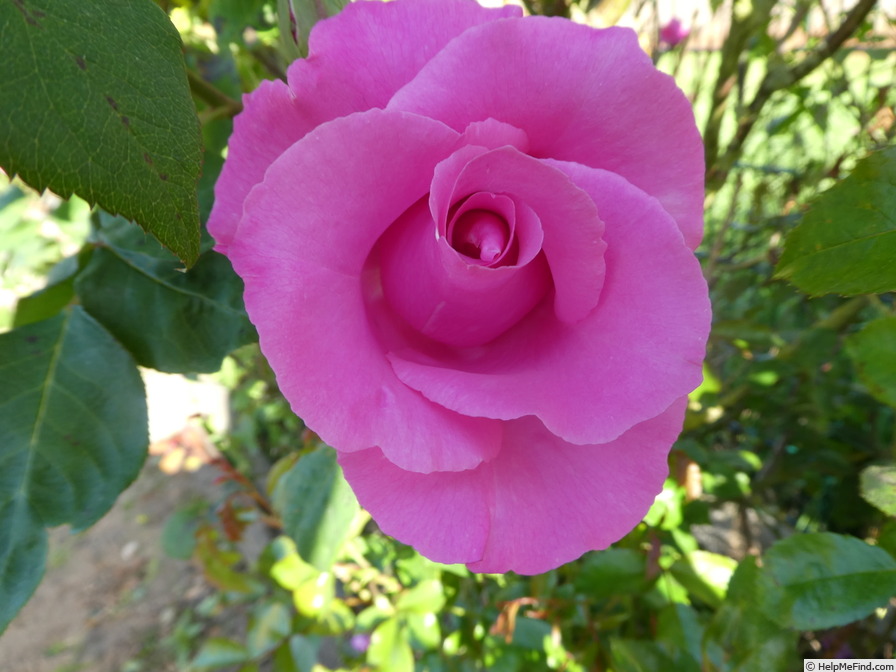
<point x="111" y="597"/>
<point x="111" y="600"/>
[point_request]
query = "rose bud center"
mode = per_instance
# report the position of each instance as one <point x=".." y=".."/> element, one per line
<point x="480" y="234"/>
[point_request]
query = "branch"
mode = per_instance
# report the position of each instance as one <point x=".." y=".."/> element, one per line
<point x="781" y="77"/>
<point x="213" y="96"/>
<point x="747" y="17"/>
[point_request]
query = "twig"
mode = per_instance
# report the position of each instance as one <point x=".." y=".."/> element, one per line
<point x="213" y="96"/>
<point x="777" y="78"/>
<point x="746" y="18"/>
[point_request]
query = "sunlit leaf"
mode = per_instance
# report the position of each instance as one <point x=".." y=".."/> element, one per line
<point x="389" y="648"/>
<point x="740" y="637"/>
<point x="846" y="243"/>
<point x="425" y="598"/>
<point x="705" y="575"/>
<point x="822" y="580"/>
<point x="878" y="484"/>
<point x="423" y="630"/>
<point x="317" y="506"/>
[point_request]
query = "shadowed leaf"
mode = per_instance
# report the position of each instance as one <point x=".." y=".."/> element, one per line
<point x="73" y="435"/>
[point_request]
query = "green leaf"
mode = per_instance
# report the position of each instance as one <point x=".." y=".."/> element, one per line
<point x="297" y="654"/>
<point x="427" y="597"/>
<point x="740" y="637"/>
<point x="530" y="633"/>
<point x="317" y="507"/>
<point x="822" y="580"/>
<point x="336" y="620"/>
<point x="219" y="563"/>
<point x="45" y="303"/>
<point x="170" y="320"/>
<point x="219" y="652"/>
<point x="705" y="575"/>
<point x="846" y="243"/>
<point x="389" y="648"/>
<point x="886" y="537"/>
<point x="56" y="295"/>
<point x="179" y="533"/>
<point x="94" y="100"/>
<point x="878" y="483"/>
<point x="629" y="655"/>
<point x="615" y="571"/>
<point x="289" y="570"/>
<point x="873" y="351"/>
<point x="679" y="632"/>
<point x="73" y="435"/>
<point x="423" y="631"/>
<point x="234" y="16"/>
<point x="269" y="627"/>
<point x="313" y="591"/>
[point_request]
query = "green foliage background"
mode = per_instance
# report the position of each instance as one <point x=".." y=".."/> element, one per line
<point x="774" y="538"/>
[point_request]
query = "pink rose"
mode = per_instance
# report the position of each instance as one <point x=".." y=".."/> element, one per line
<point x="673" y="33"/>
<point x="467" y="242"/>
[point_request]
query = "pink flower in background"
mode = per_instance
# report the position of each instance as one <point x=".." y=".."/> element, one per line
<point x="673" y="33"/>
<point x="467" y="243"/>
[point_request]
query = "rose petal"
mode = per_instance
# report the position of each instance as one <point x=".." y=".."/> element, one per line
<point x="540" y="503"/>
<point x="301" y="248"/>
<point x="637" y="352"/>
<point x="443" y="514"/>
<point x="606" y="105"/>
<point x="357" y="60"/>
<point x="483" y="227"/>
<point x="446" y="297"/>
<point x="569" y="221"/>
<point x="270" y="122"/>
<point x="492" y="134"/>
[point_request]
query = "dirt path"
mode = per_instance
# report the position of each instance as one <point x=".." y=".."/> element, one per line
<point x="110" y="596"/>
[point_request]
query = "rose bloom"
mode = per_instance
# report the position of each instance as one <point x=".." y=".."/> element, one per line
<point x="674" y="33"/>
<point x="467" y="245"/>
